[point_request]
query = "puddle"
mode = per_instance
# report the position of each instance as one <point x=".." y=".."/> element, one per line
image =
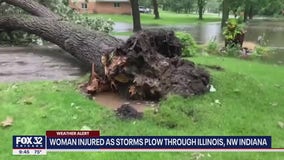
<point x="114" y="101"/>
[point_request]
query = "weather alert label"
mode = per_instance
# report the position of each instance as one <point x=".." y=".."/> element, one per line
<point x="29" y="145"/>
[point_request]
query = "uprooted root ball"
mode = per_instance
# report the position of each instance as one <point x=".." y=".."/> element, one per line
<point x="149" y="67"/>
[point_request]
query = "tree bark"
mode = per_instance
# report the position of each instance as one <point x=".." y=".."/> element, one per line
<point x="86" y="45"/>
<point x="136" y="16"/>
<point x="156" y="9"/>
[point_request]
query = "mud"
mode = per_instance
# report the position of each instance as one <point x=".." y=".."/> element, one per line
<point x="213" y="67"/>
<point x="18" y="64"/>
<point x="114" y="101"/>
<point x="127" y="111"/>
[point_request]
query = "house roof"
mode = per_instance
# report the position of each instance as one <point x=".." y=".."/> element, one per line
<point x="112" y="0"/>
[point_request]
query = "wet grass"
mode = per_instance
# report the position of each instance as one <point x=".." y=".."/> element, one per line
<point x="167" y="18"/>
<point x="251" y="103"/>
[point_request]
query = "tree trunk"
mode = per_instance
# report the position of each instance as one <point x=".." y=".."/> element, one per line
<point x="200" y="13"/>
<point x="135" y="15"/>
<point x="86" y="45"/>
<point x="200" y="9"/>
<point x="250" y="12"/>
<point x="225" y="12"/>
<point x="245" y="16"/>
<point x="156" y="9"/>
<point x="246" y="12"/>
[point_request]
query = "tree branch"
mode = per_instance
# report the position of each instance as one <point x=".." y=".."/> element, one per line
<point x="33" y="8"/>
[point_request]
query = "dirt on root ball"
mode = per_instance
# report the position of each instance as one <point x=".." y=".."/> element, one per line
<point x="149" y="67"/>
<point x="162" y="41"/>
<point x="126" y="111"/>
<point x="156" y="68"/>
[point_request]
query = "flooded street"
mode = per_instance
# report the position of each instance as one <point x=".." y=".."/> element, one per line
<point x="271" y="30"/>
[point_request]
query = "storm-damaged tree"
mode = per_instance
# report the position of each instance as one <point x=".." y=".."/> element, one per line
<point x="147" y="66"/>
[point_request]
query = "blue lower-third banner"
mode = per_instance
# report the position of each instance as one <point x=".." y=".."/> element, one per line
<point x="59" y="141"/>
<point x="160" y="142"/>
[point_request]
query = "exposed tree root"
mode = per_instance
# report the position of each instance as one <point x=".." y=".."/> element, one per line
<point x="148" y="67"/>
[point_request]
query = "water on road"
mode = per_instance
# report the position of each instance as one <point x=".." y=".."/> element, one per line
<point x="40" y="63"/>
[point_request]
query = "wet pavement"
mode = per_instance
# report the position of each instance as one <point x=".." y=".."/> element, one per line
<point x="38" y="63"/>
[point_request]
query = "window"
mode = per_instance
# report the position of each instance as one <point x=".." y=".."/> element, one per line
<point x="84" y="5"/>
<point x="116" y="4"/>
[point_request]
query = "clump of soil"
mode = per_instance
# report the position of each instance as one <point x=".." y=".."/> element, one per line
<point x="126" y="111"/>
<point x="213" y="67"/>
<point x="148" y="66"/>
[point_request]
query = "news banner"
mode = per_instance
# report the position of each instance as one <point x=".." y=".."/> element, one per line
<point x="82" y="141"/>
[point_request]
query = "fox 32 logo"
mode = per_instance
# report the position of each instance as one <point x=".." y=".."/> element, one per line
<point x="28" y="142"/>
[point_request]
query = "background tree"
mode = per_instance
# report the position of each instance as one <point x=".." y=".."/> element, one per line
<point x="225" y="12"/>
<point x="135" y="15"/>
<point x="156" y="9"/>
<point x="236" y="7"/>
<point x="271" y="7"/>
<point x="181" y="6"/>
<point x="146" y="3"/>
<point x="201" y="7"/>
<point x="213" y="6"/>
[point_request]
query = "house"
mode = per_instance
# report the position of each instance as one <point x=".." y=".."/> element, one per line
<point x="101" y="6"/>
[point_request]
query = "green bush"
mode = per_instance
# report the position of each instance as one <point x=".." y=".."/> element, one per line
<point x="232" y="50"/>
<point x="232" y="29"/>
<point x="261" y="51"/>
<point x="212" y="47"/>
<point x="190" y="47"/>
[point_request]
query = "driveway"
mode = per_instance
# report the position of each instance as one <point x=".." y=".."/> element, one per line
<point x="39" y="63"/>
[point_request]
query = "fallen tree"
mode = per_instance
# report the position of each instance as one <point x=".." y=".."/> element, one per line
<point x="147" y="66"/>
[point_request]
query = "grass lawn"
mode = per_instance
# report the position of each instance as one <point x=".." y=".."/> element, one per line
<point x="167" y="18"/>
<point x="251" y="103"/>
